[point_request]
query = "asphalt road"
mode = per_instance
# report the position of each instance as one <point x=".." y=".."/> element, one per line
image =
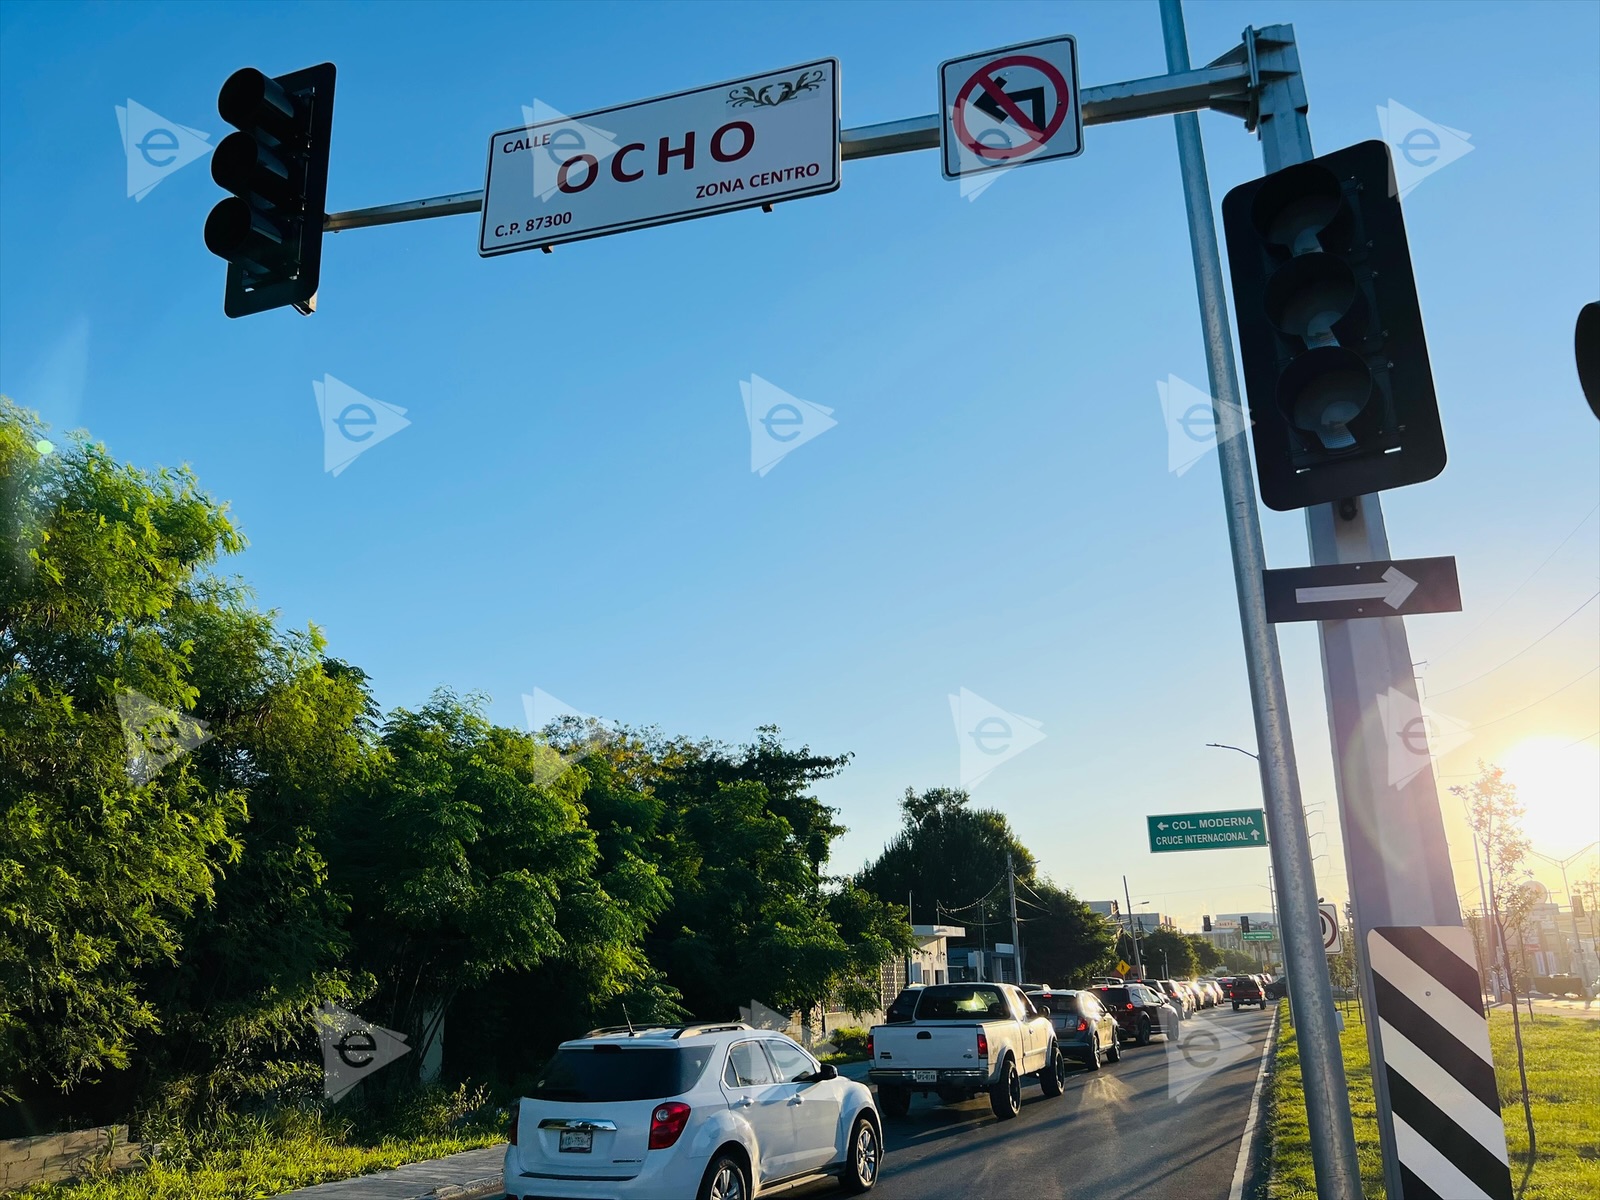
<point x="1117" y="1133"/>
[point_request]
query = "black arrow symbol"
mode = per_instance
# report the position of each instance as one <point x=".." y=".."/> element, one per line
<point x="990" y="105"/>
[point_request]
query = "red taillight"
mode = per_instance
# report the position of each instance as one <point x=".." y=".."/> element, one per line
<point x="516" y="1111"/>
<point x="1130" y="1008"/>
<point x="1082" y="1024"/>
<point x="983" y="1044"/>
<point x="869" y="1046"/>
<point x="666" y="1124"/>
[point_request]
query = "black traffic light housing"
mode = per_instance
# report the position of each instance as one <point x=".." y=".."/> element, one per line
<point x="1244" y="924"/>
<point x="1330" y="331"/>
<point x="1205" y="924"/>
<point x="276" y="166"/>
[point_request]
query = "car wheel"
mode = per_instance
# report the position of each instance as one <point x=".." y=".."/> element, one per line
<point x="1235" y="1006"/>
<point x="726" y="1179"/>
<point x="1115" y="1053"/>
<point x="862" y="1158"/>
<point x="895" y="1101"/>
<point x="1093" y="1061"/>
<point x="1053" y="1079"/>
<point x="1005" y="1097"/>
<point x="1144" y="1031"/>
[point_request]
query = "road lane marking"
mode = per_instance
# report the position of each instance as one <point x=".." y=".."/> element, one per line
<point x="1241" y="1169"/>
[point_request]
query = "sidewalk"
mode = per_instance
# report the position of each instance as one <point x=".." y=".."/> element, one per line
<point x="465" y="1176"/>
<point x="1557" y="1008"/>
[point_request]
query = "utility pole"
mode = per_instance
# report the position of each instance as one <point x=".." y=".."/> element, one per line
<point x="1138" y="960"/>
<point x="1578" y="962"/>
<point x="1333" y="1139"/>
<point x="1016" y="929"/>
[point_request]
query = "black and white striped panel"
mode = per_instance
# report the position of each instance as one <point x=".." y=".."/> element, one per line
<point x="1435" y="1039"/>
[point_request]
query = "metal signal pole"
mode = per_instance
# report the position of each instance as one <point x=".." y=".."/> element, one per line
<point x="1138" y="959"/>
<point x="1333" y="1142"/>
<point x="1016" y="929"/>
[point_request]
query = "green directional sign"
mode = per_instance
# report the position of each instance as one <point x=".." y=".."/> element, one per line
<point x="1257" y="935"/>
<point x="1208" y="830"/>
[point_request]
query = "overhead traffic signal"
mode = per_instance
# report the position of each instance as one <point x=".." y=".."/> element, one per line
<point x="1205" y="924"/>
<point x="1330" y="331"/>
<point x="1244" y="924"/>
<point x="276" y="166"/>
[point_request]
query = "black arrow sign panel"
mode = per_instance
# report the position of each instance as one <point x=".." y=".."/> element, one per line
<point x="1345" y="591"/>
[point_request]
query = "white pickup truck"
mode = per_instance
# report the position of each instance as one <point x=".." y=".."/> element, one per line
<point x="962" y="1039"/>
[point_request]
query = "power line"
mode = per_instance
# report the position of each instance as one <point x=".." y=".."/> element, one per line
<point x="1521" y="652"/>
<point x="1529" y="579"/>
<point x="1541" y="700"/>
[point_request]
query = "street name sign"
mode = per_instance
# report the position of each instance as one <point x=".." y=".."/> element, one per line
<point x="1332" y="937"/>
<point x="739" y="144"/>
<point x="1002" y="108"/>
<point x="1258" y="935"/>
<point x="1343" y="591"/>
<point x="1207" y="830"/>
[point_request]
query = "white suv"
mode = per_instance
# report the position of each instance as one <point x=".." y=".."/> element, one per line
<point x="688" y="1112"/>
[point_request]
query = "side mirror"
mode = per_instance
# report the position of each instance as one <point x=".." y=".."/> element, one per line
<point x="825" y="1072"/>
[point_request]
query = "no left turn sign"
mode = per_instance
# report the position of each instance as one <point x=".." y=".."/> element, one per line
<point x="1002" y="108"/>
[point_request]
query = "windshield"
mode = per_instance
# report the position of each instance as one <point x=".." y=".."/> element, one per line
<point x="609" y="1073"/>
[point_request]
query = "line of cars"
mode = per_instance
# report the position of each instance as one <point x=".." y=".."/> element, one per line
<point x="726" y="1111"/>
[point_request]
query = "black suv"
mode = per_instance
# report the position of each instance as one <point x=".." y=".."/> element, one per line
<point x="1141" y="1012"/>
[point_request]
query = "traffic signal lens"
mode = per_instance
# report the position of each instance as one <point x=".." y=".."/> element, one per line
<point x="1323" y="391"/>
<point x="250" y="99"/>
<point x="244" y="236"/>
<point x="1310" y="295"/>
<point x="243" y="165"/>
<point x="1296" y="205"/>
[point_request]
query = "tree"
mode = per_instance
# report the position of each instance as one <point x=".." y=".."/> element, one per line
<point x="949" y="859"/>
<point x="1168" y="955"/>
<point x="1207" y="957"/>
<point x="1495" y="814"/>
<point x="107" y="844"/>
<point x="1064" y="940"/>
<point x="1237" y="962"/>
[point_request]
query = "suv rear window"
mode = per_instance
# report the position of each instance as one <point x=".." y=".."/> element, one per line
<point x="1057" y="1002"/>
<point x="1113" y="997"/>
<point x="609" y="1073"/>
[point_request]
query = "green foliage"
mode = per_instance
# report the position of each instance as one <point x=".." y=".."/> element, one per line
<point x="1237" y="962"/>
<point x="1064" y="940"/>
<point x="1168" y="954"/>
<point x="1206" y="956"/>
<point x="850" y="1039"/>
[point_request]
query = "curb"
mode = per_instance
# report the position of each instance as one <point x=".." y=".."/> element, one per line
<point x="473" y="1189"/>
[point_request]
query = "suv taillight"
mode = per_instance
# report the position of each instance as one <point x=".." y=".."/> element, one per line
<point x="516" y="1111"/>
<point x="983" y="1044"/>
<point x="1082" y="1024"/>
<point x="869" y="1048"/>
<point x="666" y="1124"/>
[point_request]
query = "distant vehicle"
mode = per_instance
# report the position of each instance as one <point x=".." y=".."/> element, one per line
<point x="1085" y="1030"/>
<point x="1177" y="995"/>
<point x="966" y="1038"/>
<point x="1141" y="1011"/>
<point x="1246" y="989"/>
<point x="904" y="1005"/>
<point x="1213" y="991"/>
<point x="688" y="1110"/>
<point x="1278" y="988"/>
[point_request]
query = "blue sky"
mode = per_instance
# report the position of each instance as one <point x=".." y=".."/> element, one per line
<point x="572" y="506"/>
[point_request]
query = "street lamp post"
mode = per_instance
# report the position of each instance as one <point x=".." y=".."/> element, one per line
<point x="1579" y="959"/>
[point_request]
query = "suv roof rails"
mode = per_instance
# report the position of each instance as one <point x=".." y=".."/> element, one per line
<point x="677" y="1029"/>
<point x="711" y="1027"/>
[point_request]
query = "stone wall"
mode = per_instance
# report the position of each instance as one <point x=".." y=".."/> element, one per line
<point x="59" y="1156"/>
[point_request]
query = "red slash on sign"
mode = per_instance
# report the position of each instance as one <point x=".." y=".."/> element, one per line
<point x="1001" y="105"/>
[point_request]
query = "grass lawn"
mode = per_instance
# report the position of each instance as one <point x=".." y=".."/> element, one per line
<point x="1563" y="1055"/>
<point x="243" y="1158"/>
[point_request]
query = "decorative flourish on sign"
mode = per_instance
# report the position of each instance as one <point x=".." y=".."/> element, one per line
<point x="772" y="94"/>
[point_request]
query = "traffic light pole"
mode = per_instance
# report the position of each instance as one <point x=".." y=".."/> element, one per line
<point x="1332" y="1133"/>
<point x="1395" y="848"/>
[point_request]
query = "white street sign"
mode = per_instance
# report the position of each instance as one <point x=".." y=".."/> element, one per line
<point x="1332" y="935"/>
<point x="714" y="149"/>
<point x="1005" y="107"/>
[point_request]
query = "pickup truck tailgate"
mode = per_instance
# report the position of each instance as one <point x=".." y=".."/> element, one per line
<point x="927" y="1053"/>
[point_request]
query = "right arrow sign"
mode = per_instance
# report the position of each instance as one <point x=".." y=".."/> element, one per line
<point x="1341" y="591"/>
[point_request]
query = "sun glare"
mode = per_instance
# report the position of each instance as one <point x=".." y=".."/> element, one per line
<point x="1559" y="782"/>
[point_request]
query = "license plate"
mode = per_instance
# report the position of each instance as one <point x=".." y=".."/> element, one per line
<point x="924" y="1077"/>
<point x="577" y="1141"/>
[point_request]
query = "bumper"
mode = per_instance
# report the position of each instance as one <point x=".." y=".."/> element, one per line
<point x="966" y="1077"/>
<point x="665" y="1176"/>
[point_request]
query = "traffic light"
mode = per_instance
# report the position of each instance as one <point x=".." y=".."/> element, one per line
<point x="1205" y="924"/>
<point x="276" y="166"/>
<point x="1330" y="331"/>
<point x="1244" y="924"/>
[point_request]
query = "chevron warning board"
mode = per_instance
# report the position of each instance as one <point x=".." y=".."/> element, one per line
<point x="1435" y="1040"/>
